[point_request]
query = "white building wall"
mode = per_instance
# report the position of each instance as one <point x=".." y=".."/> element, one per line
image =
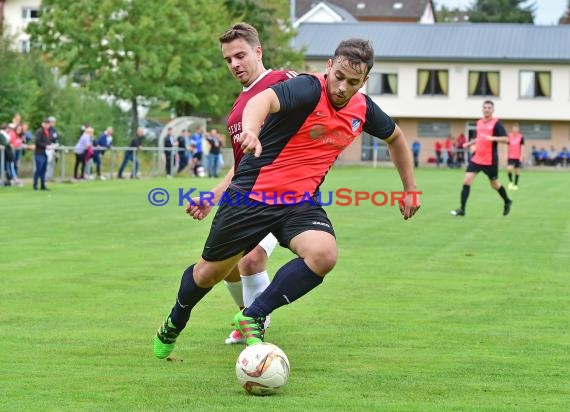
<point x="458" y="105"/>
<point x="14" y="23"/>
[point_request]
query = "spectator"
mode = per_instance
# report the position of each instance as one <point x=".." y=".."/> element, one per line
<point x="104" y="142"/>
<point x="81" y="150"/>
<point x="197" y="157"/>
<point x="553" y="156"/>
<point x="183" y="156"/>
<point x="42" y="144"/>
<point x="130" y="155"/>
<point x="214" y="153"/>
<point x="51" y="152"/>
<point x="449" y="151"/>
<point x="438" y="149"/>
<point x="460" y="145"/>
<point x="6" y="152"/>
<point x="564" y="156"/>
<point x="416" y="147"/>
<point x="169" y="144"/>
<point x="17" y="142"/>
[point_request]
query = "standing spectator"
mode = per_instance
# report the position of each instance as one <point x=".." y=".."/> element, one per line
<point x="416" y="147"/>
<point x="42" y="143"/>
<point x="214" y="153"/>
<point x="438" y="148"/>
<point x="460" y="145"/>
<point x="490" y="132"/>
<point x="515" y="156"/>
<point x="51" y="152"/>
<point x="103" y="142"/>
<point x="449" y="151"/>
<point x="13" y="151"/>
<point x="169" y="144"/>
<point x="197" y="157"/>
<point x="6" y="153"/>
<point x="82" y="147"/>
<point x="183" y="142"/>
<point x="130" y="154"/>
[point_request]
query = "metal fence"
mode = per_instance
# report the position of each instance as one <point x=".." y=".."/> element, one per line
<point x="151" y="160"/>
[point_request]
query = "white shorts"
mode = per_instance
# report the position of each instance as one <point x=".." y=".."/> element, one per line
<point x="268" y="244"/>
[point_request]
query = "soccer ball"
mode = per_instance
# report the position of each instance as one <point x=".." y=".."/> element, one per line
<point x="262" y="369"/>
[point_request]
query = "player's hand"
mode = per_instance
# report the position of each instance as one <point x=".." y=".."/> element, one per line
<point x="410" y="205"/>
<point x="196" y="210"/>
<point x="250" y="143"/>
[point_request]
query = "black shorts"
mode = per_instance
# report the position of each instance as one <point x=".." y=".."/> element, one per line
<point x="197" y="156"/>
<point x="241" y="223"/>
<point x="514" y="162"/>
<point x="491" y="171"/>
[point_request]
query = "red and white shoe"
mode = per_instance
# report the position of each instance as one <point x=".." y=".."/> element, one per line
<point x="235" y="338"/>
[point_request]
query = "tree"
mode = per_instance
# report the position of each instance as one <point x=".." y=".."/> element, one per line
<point x="132" y="49"/>
<point x="501" y="11"/>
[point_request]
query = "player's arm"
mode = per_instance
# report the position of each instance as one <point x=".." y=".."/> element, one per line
<point x="254" y="114"/>
<point x="379" y="124"/>
<point x="500" y="134"/>
<point x="200" y="208"/>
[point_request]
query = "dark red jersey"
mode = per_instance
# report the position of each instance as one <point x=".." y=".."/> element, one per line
<point x="302" y="141"/>
<point x="268" y="78"/>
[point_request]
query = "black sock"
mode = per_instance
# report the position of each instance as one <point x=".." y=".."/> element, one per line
<point x="503" y="193"/>
<point x="464" y="195"/>
<point x="189" y="295"/>
<point x="293" y="280"/>
<point x="516" y="180"/>
<point x="510" y="177"/>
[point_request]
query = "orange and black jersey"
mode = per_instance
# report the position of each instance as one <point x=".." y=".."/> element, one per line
<point x="302" y="141"/>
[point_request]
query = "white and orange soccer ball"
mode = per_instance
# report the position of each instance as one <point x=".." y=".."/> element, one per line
<point x="262" y="369"/>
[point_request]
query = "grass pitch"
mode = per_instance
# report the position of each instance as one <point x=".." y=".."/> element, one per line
<point x="436" y="313"/>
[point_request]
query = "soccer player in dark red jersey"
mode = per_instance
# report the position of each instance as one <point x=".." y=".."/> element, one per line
<point x="515" y="156"/>
<point x="490" y="132"/>
<point x="307" y="122"/>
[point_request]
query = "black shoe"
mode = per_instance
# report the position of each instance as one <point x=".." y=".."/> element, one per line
<point x="35" y="188"/>
<point x="458" y="212"/>
<point x="507" y="207"/>
<point x="45" y="188"/>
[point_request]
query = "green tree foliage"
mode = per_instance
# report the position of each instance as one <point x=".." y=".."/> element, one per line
<point x="501" y="11"/>
<point x="163" y="50"/>
<point x="565" y="18"/>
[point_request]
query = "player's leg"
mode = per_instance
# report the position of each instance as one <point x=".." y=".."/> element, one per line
<point x="197" y="280"/>
<point x="468" y="179"/>
<point x="510" y="168"/>
<point x="493" y="175"/>
<point x="254" y="278"/>
<point x="517" y="175"/>
<point x="317" y="255"/>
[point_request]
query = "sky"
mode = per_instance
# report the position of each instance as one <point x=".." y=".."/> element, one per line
<point x="547" y="11"/>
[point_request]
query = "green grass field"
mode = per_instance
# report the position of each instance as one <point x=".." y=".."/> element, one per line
<point x="437" y="313"/>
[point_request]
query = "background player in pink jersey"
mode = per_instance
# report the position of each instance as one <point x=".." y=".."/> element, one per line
<point x="515" y="156"/>
<point x="490" y="132"/>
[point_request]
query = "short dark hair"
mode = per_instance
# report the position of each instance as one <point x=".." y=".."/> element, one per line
<point x="489" y="102"/>
<point x="241" y="31"/>
<point x="356" y="51"/>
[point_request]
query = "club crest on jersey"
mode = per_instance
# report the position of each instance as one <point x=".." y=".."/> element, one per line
<point x="355" y="124"/>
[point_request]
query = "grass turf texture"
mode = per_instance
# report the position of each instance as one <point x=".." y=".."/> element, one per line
<point x="436" y="313"/>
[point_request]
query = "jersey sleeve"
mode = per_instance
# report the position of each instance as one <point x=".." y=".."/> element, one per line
<point x="499" y="130"/>
<point x="298" y="93"/>
<point x="377" y="123"/>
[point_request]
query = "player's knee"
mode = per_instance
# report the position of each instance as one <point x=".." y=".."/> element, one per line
<point x="205" y="276"/>
<point x="252" y="263"/>
<point x="322" y="261"/>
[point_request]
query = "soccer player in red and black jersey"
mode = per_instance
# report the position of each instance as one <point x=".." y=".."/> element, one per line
<point x="307" y="122"/>
<point x="515" y="157"/>
<point x="490" y="132"/>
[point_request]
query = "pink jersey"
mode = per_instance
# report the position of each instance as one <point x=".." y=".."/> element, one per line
<point x="515" y="143"/>
<point x="268" y="78"/>
<point x="485" y="152"/>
